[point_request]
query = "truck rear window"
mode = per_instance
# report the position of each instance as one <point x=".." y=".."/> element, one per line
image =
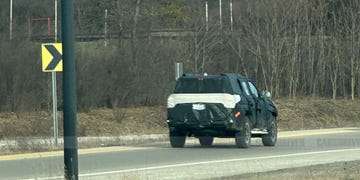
<point x="218" y="84"/>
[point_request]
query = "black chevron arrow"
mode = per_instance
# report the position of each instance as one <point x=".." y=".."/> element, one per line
<point x="56" y="57"/>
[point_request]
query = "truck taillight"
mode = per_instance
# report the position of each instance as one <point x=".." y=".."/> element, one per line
<point x="237" y="114"/>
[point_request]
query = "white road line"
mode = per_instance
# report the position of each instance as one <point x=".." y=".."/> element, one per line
<point x="204" y="162"/>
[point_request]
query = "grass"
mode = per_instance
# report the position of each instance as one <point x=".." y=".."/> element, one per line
<point x="303" y="114"/>
<point x="338" y="170"/>
<point x="293" y="115"/>
<point x="97" y="122"/>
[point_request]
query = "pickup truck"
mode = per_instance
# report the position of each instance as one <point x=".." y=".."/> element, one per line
<point x="223" y="106"/>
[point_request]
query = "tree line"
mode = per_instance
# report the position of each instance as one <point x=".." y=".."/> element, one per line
<point x="293" y="49"/>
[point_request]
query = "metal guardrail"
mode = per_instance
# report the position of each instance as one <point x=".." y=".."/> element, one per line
<point x="95" y="37"/>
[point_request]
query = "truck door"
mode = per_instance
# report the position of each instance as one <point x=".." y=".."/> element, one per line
<point x="251" y="101"/>
<point x="259" y="106"/>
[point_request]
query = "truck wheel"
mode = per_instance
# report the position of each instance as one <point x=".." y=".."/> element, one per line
<point x="206" y="140"/>
<point x="270" y="138"/>
<point x="243" y="138"/>
<point x="177" y="139"/>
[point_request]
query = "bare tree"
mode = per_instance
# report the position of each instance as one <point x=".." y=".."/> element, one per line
<point x="353" y="10"/>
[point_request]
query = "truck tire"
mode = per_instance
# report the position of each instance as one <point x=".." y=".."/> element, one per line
<point x="206" y="140"/>
<point x="177" y="139"/>
<point x="270" y="138"/>
<point x="243" y="137"/>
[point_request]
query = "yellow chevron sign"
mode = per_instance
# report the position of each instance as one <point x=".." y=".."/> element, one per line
<point x="51" y="57"/>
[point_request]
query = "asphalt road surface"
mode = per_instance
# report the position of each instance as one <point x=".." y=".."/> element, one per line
<point x="160" y="161"/>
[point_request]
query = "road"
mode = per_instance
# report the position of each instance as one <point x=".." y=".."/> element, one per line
<point x="159" y="161"/>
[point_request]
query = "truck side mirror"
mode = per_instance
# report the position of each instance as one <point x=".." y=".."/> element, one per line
<point x="266" y="93"/>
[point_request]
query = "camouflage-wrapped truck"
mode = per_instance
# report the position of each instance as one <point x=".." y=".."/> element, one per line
<point x="222" y="105"/>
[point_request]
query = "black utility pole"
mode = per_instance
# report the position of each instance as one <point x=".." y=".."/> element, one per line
<point x="69" y="91"/>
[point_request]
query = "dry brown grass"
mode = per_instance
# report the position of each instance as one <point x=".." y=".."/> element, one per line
<point x="293" y="115"/>
<point x="320" y="113"/>
<point x="98" y="122"/>
<point x="337" y="171"/>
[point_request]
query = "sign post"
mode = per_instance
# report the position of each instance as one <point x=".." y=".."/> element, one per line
<point x="11" y="18"/>
<point x="52" y="62"/>
<point x="178" y="70"/>
<point x="53" y="75"/>
<point x="55" y="120"/>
